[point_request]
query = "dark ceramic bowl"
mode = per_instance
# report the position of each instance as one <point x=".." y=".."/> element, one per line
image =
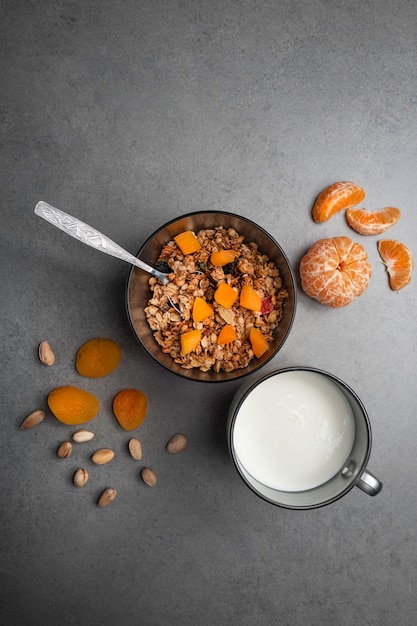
<point x="138" y="291"/>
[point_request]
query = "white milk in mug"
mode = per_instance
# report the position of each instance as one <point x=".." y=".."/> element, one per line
<point x="294" y="431"/>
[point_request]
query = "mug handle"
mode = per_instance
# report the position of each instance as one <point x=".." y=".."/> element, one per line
<point x="369" y="483"/>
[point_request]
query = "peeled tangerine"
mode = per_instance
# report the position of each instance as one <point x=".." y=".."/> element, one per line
<point x="335" y="198"/>
<point x="72" y="405"/>
<point x="129" y="408"/>
<point x="335" y="271"/>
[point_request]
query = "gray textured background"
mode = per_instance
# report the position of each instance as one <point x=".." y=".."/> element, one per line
<point x="126" y="114"/>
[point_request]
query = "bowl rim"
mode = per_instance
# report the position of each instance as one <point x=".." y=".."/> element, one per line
<point x="245" y="371"/>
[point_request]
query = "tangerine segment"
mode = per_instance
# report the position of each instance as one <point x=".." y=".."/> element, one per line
<point x="335" y="198"/>
<point x="72" y="405"/>
<point x="372" y="222"/>
<point x="399" y="262"/>
<point x="129" y="408"/>
<point x="98" y="357"/>
<point x="335" y="271"/>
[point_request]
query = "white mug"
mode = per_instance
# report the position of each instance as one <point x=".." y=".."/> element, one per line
<point x="301" y="438"/>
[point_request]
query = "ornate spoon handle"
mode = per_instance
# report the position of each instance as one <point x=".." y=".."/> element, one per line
<point x="92" y="237"/>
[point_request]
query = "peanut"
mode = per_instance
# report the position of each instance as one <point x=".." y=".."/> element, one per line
<point x="64" y="450"/>
<point x="80" y="477"/>
<point x="81" y="436"/>
<point x="177" y="443"/>
<point x="148" y="477"/>
<point x="102" y="456"/>
<point x="46" y="356"/>
<point x="135" y="449"/>
<point x="107" y="496"/>
<point x="32" y="420"/>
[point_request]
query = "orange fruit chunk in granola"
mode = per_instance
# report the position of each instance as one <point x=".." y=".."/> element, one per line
<point x="258" y="342"/>
<point x="223" y="257"/>
<point x="249" y="299"/>
<point x="225" y="295"/>
<point x="335" y="271"/>
<point x="72" y="405"/>
<point x="227" y="335"/>
<point x="335" y="198"/>
<point x="187" y="242"/>
<point x="189" y="341"/>
<point x="98" y="357"/>
<point x="372" y="222"/>
<point x="201" y="309"/>
<point x="129" y="408"/>
<point x="399" y="262"/>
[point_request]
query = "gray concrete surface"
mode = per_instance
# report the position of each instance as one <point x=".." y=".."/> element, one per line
<point x="127" y="114"/>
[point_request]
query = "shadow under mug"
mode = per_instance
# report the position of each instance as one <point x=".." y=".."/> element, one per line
<point x="352" y="473"/>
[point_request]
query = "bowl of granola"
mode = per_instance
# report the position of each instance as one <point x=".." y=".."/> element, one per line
<point x="230" y="301"/>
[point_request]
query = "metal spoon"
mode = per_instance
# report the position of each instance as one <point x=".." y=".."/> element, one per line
<point x="92" y="237"/>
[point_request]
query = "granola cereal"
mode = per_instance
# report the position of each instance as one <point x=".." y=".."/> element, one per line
<point x="169" y="310"/>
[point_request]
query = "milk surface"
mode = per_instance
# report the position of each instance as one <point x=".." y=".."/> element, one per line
<point x="294" y="431"/>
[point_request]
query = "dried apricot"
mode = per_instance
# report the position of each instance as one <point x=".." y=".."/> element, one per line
<point x="201" y="309"/>
<point x="98" y="357"/>
<point x="72" y="405"/>
<point x="335" y="271"/>
<point x="225" y="295"/>
<point x="258" y="341"/>
<point x="226" y="335"/>
<point x="187" y="242"/>
<point x="189" y="341"/>
<point x="335" y="198"/>
<point x="129" y="408"/>
<point x="223" y="257"/>
<point x="249" y="299"/>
